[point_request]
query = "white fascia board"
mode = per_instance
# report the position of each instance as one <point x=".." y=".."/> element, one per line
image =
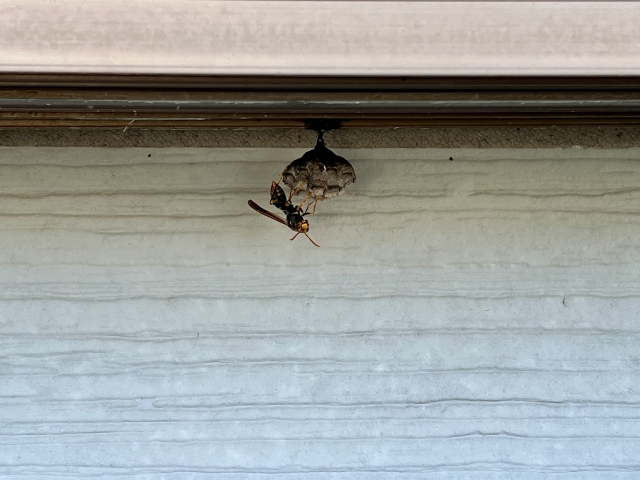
<point x="320" y="37"/>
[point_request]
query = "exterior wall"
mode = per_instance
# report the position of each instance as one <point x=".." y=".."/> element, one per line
<point x="475" y="318"/>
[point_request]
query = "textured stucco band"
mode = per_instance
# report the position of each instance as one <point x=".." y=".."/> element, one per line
<point x="472" y="137"/>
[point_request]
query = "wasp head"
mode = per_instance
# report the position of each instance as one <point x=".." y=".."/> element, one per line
<point x="302" y="227"/>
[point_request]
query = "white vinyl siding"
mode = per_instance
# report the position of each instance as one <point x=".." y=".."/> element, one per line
<point x="467" y="319"/>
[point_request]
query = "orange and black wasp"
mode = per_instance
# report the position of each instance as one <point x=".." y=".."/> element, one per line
<point x="295" y="218"/>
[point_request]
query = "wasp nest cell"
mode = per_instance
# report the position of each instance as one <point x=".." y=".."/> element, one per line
<point x="319" y="173"/>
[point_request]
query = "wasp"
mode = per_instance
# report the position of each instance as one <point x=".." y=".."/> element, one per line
<point x="294" y="216"/>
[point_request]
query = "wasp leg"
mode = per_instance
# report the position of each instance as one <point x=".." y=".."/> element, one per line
<point x="315" y="204"/>
<point x="282" y="175"/>
<point x="293" y="193"/>
<point x="299" y="207"/>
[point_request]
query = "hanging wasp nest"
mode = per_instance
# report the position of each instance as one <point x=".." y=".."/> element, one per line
<point x="319" y="173"/>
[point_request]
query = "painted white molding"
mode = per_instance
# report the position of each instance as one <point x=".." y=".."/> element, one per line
<point x="336" y="38"/>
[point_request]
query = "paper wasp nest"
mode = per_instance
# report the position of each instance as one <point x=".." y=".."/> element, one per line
<point x="319" y="173"/>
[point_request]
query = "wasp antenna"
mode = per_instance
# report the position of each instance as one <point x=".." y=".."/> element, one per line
<point x="294" y="237"/>
<point x="309" y="240"/>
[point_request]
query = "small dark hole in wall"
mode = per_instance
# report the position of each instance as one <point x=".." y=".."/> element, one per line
<point x="149" y="155"/>
<point x="451" y="159"/>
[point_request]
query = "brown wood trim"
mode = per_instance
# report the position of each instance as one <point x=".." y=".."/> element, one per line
<point x="191" y="102"/>
<point x="29" y="120"/>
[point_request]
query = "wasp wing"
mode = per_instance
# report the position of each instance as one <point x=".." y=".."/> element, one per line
<point x="267" y="213"/>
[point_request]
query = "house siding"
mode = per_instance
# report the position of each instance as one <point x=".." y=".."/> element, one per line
<point x="469" y="318"/>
